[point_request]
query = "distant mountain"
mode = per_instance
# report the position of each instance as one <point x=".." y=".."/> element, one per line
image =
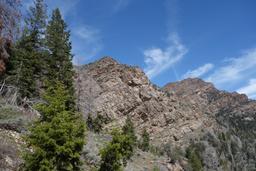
<point x="180" y="113"/>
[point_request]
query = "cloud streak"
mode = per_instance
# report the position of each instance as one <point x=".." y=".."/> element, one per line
<point x="121" y="4"/>
<point x="236" y="69"/>
<point x="202" y="70"/>
<point x="249" y="89"/>
<point x="87" y="43"/>
<point x="158" y="60"/>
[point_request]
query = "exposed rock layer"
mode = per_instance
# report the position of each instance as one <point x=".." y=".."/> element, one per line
<point x="178" y="113"/>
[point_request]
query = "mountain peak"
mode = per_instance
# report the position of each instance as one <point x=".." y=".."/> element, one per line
<point x="188" y="86"/>
<point x="107" y="60"/>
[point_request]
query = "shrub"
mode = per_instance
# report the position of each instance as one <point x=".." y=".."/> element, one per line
<point x="118" y="151"/>
<point x="156" y="150"/>
<point x="156" y="168"/>
<point x="129" y="132"/>
<point x="128" y="129"/>
<point x="57" y="138"/>
<point x="96" y="124"/>
<point x="194" y="158"/>
<point x="111" y="158"/>
<point x="145" y="141"/>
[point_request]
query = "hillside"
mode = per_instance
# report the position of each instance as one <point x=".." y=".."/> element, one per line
<point x="179" y="113"/>
<point x="186" y="117"/>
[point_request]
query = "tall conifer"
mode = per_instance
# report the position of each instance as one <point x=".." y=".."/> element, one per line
<point x="60" y="66"/>
<point x="27" y="63"/>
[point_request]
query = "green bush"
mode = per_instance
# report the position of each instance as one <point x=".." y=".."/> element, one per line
<point x="194" y="158"/>
<point x="95" y="124"/>
<point x="8" y="113"/>
<point x="12" y="118"/>
<point x="156" y="150"/>
<point x="117" y="152"/>
<point x="156" y="168"/>
<point x="128" y="129"/>
<point x="57" y="138"/>
<point x="111" y="158"/>
<point x="144" y="145"/>
<point x="120" y="149"/>
<point x="175" y="154"/>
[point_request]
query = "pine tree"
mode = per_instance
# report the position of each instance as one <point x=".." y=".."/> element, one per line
<point x="21" y="68"/>
<point x="111" y="158"/>
<point x="57" y="138"/>
<point x="117" y="152"/>
<point x="112" y="154"/>
<point x="145" y="141"/>
<point x="60" y="66"/>
<point x="27" y="63"/>
<point x="129" y="131"/>
<point x="35" y="34"/>
<point x="36" y="24"/>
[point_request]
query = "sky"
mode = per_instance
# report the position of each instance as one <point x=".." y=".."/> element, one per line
<point x="169" y="39"/>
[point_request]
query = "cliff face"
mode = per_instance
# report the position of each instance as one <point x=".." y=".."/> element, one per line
<point x="235" y="115"/>
<point x="117" y="91"/>
<point x="180" y="113"/>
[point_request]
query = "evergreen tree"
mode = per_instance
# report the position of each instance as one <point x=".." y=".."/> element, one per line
<point x="57" y="139"/>
<point x="98" y="123"/>
<point x="117" y="152"/>
<point x="21" y="68"/>
<point x="194" y="158"/>
<point x="27" y="64"/>
<point x="128" y="129"/>
<point x="35" y="34"/>
<point x="112" y="154"/>
<point x="111" y="158"/>
<point x="60" y="66"/>
<point x="36" y="24"/>
<point x="145" y="141"/>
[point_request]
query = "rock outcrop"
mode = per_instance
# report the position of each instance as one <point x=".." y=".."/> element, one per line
<point x="179" y="113"/>
<point x="117" y="91"/>
<point x="235" y="114"/>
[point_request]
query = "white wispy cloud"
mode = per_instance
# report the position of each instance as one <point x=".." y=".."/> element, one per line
<point x="87" y="42"/>
<point x="158" y="60"/>
<point x="121" y="4"/>
<point x="250" y="89"/>
<point x="199" y="71"/>
<point x="235" y="69"/>
<point x="88" y="33"/>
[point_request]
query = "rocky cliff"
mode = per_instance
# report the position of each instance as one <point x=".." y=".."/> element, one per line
<point x="235" y="115"/>
<point x="115" y="91"/>
<point x="181" y="113"/>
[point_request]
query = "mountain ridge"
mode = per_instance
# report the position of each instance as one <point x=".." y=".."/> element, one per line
<point x="178" y="113"/>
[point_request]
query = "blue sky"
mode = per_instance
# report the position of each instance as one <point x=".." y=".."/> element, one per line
<point x="169" y="39"/>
